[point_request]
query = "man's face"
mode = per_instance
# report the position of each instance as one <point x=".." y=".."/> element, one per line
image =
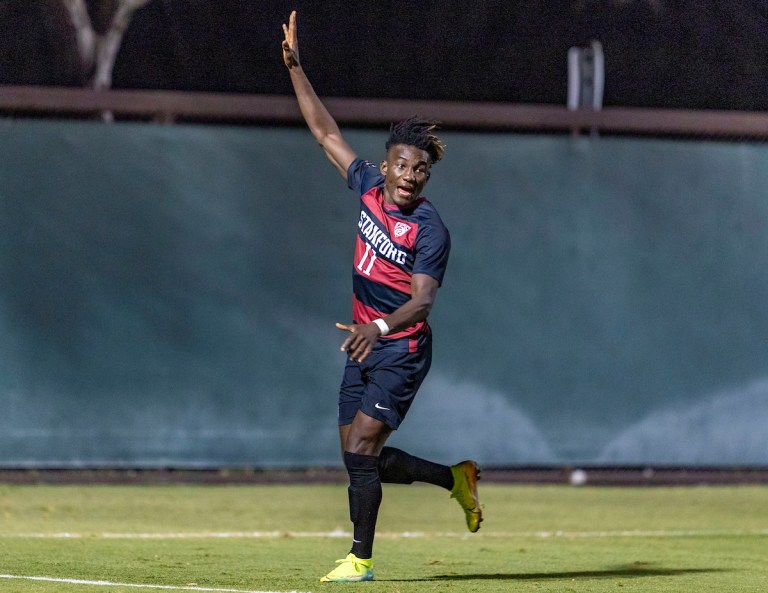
<point x="406" y="172"/>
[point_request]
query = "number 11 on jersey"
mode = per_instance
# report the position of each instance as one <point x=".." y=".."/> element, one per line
<point x="368" y="251"/>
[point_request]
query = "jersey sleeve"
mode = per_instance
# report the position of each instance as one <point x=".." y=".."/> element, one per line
<point x="433" y="246"/>
<point x="363" y="175"/>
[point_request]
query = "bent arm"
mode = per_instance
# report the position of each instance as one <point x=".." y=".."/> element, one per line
<point x="363" y="337"/>
<point x="423" y="294"/>
<point x="320" y="122"/>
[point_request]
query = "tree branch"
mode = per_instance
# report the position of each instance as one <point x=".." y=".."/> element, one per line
<point x="84" y="33"/>
<point x="109" y="44"/>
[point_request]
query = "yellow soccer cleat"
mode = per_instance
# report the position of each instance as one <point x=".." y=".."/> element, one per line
<point x="465" y="476"/>
<point x="350" y="570"/>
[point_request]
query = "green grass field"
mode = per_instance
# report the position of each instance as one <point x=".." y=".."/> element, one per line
<point x="126" y="539"/>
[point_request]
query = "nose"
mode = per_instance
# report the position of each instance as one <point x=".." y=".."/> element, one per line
<point x="410" y="174"/>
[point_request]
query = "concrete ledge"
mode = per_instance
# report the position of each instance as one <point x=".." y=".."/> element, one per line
<point x="593" y="476"/>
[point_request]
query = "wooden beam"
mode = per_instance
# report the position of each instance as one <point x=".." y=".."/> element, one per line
<point x="170" y="106"/>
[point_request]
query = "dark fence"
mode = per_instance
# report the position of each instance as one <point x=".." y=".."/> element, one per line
<point x="168" y="294"/>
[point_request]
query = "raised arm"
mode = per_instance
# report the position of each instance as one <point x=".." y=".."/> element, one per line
<point x="320" y="122"/>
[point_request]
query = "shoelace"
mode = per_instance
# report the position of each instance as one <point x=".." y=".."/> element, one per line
<point x="343" y="560"/>
<point x="359" y="567"/>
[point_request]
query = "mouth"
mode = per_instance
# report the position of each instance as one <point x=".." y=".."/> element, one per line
<point x="405" y="192"/>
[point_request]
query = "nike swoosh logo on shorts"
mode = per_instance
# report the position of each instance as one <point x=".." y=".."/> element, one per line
<point x="379" y="407"/>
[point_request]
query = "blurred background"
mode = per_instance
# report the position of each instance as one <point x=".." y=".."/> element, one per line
<point x="168" y="292"/>
<point x="693" y="54"/>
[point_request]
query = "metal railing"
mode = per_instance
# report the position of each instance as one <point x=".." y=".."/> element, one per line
<point x="176" y="106"/>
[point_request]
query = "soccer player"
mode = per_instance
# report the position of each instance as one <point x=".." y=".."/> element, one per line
<point x="400" y="258"/>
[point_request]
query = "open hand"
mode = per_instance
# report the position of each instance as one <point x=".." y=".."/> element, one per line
<point x="361" y="340"/>
<point x="291" y="43"/>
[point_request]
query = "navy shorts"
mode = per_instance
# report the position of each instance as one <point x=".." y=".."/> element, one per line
<point x="384" y="384"/>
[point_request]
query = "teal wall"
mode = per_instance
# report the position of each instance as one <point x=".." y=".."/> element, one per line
<point x="168" y="295"/>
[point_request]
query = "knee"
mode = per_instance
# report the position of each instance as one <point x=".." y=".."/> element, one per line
<point x="366" y="440"/>
<point x="366" y="435"/>
<point x="362" y="469"/>
<point x="361" y="445"/>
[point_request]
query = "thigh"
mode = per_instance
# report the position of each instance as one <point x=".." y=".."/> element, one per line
<point x="383" y="386"/>
<point x="365" y="436"/>
<point x="351" y="393"/>
<point x="392" y="383"/>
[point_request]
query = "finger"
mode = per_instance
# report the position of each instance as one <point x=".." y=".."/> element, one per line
<point x="349" y="328"/>
<point x="346" y="343"/>
<point x="360" y="345"/>
<point x="351" y="346"/>
<point x="365" y="353"/>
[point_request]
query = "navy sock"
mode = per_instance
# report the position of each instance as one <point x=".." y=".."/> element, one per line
<point x="399" y="467"/>
<point x="364" y="500"/>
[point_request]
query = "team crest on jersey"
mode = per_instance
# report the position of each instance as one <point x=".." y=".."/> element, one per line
<point x="401" y="228"/>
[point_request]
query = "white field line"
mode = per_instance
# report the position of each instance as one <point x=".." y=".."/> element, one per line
<point x="133" y="585"/>
<point x="389" y="535"/>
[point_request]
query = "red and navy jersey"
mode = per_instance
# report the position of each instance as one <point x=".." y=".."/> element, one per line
<point x="392" y="245"/>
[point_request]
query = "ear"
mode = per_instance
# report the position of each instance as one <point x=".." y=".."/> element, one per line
<point x="383" y="168"/>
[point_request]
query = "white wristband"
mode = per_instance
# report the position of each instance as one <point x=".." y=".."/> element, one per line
<point x="383" y="327"/>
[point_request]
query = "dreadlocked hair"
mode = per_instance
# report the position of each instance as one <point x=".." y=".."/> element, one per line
<point x="418" y="132"/>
